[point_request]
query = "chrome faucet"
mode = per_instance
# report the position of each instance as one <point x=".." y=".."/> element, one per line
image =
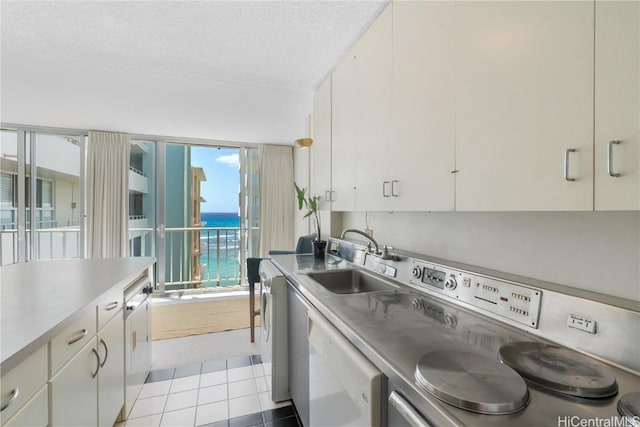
<point x="362" y="233"/>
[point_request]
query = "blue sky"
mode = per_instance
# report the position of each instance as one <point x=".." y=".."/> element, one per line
<point x="222" y="168"/>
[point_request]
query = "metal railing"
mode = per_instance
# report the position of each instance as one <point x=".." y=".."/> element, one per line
<point x="202" y="256"/>
<point x="197" y="257"/>
<point x="51" y="243"/>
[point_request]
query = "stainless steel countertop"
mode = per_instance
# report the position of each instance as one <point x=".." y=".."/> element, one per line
<point x="393" y="334"/>
<point x="39" y="299"/>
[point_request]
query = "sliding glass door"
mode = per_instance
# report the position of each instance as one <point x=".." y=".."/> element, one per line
<point x="41" y="201"/>
<point x="196" y="209"/>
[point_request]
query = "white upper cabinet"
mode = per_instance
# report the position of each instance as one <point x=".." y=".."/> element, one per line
<point x="343" y="135"/>
<point x="617" y="105"/>
<point x="422" y="153"/>
<point x="373" y="102"/>
<point x="524" y="105"/>
<point x="321" y="148"/>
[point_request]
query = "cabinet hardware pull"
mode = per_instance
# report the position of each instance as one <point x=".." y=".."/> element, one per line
<point x="14" y="395"/>
<point x="393" y="188"/>
<point x="106" y="352"/>
<point x="94" y="351"/>
<point x="406" y="410"/>
<point x="384" y="189"/>
<point x="610" y="159"/>
<point x="327" y="196"/>
<point x="567" y="152"/>
<point x="82" y="334"/>
<point x="111" y="306"/>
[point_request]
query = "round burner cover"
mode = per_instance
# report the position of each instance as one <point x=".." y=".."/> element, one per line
<point x="629" y="407"/>
<point x="559" y="369"/>
<point x="471" y="381"/>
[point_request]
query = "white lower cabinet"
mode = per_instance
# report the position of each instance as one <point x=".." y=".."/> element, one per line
<point x="34" y="413"/>
<point x="74" y="389"/>
<point x="89" y="389"/>
<point x="21" y="383"/>
<point x="111" y="373"/>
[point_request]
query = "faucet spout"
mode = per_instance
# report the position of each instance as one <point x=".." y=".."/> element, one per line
<point x="363" y="234"/>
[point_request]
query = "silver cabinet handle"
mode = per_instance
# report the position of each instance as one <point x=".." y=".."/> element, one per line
<point x="82" y="334"/>
<point x="393" y="187"/>
<point x="327" y="196"/>
<point x="106" y="352"/>
<point x="610" y="159"/>
<point x="567" y="152"/>
<point x="407" y="411"/>
<point x="111" y="306"/>
<point x="94" y="351"/>
<point x="384" y="189"/>
<point x="14" y="395"/>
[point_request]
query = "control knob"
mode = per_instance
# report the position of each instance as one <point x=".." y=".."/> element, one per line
<point x="416" y="303"/>
<point x="451" y="282"/>
<point x="416" y="272"/>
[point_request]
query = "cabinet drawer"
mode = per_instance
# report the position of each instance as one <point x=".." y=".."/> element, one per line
<point x="35" y="412"/>
<point x="109" y="304"/>
<point x="23" y="382"/>
<point x="68" y="342"/>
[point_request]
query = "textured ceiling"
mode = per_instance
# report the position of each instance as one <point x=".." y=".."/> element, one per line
<point x="290" y="45"/>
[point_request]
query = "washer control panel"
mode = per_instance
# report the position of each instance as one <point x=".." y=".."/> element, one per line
<point x="513" y="301"/>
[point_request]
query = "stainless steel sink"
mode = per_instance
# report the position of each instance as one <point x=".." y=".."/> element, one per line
<point x="351" y="281"/>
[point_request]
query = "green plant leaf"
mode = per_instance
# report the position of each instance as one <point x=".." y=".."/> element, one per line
<point x="301" y="193"/>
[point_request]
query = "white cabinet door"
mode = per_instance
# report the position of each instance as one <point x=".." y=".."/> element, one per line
<point x="373" y="101"/>
<point x="617" y="105"/>
<point x="74" y="389"/>
<point x="343" y="144"/>
<point x="111" y="375"/>
<point x="137" y="353"/>
<point x="524" y="96"/>
<point x="422" y="155"/>
<point x="321" y="148"/>
<point x="34" y="413"/>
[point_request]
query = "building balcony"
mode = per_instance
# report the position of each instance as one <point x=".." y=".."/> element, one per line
<point x="138" y="182"/>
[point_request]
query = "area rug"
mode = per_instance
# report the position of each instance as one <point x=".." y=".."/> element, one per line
<point x="185" y="318"/>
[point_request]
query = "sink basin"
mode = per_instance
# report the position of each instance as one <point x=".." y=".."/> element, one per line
<point x="351" y="281"/>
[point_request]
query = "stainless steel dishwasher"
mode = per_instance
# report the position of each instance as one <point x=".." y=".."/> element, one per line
<point x="345" y="388"/>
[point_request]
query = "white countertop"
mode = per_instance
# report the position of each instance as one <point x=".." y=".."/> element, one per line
<point x="38" y="299"/>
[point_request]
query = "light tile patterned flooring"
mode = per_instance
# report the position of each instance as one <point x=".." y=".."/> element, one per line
<point x="221" y="392"/>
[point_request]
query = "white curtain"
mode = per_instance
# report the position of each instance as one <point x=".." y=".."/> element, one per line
<point x="277" y="198"/>
<point x="108" y="195"/>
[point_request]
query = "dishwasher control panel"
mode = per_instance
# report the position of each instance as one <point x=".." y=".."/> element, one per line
<point x="513" y="301"/>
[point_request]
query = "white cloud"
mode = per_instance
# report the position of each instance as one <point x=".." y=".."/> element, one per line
<point x="232" y="160"/>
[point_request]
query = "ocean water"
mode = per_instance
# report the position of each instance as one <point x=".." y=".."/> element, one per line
<point x="222" y="243"/>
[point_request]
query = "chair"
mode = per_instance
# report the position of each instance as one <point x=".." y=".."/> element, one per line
<point x="304" y="246"/>
<point x="253" y="275"/>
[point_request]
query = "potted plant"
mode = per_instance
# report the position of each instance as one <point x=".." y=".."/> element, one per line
<point x="310" y="203"/>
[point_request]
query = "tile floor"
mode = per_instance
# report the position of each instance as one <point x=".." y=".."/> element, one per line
<point x="231" y="392"/>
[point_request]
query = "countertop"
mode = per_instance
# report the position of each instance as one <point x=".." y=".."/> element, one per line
<point x="38" y="299"/>
<point x="388" y="328"/>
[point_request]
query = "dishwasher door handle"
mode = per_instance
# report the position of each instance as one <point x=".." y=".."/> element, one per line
<point x="407" y="411"/>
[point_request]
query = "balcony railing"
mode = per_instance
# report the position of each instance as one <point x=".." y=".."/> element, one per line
<point x="197" y="257"/>
<point x="51" y="243"/>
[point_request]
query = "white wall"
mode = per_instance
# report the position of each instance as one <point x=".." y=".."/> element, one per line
<point x="596" y="251"/>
